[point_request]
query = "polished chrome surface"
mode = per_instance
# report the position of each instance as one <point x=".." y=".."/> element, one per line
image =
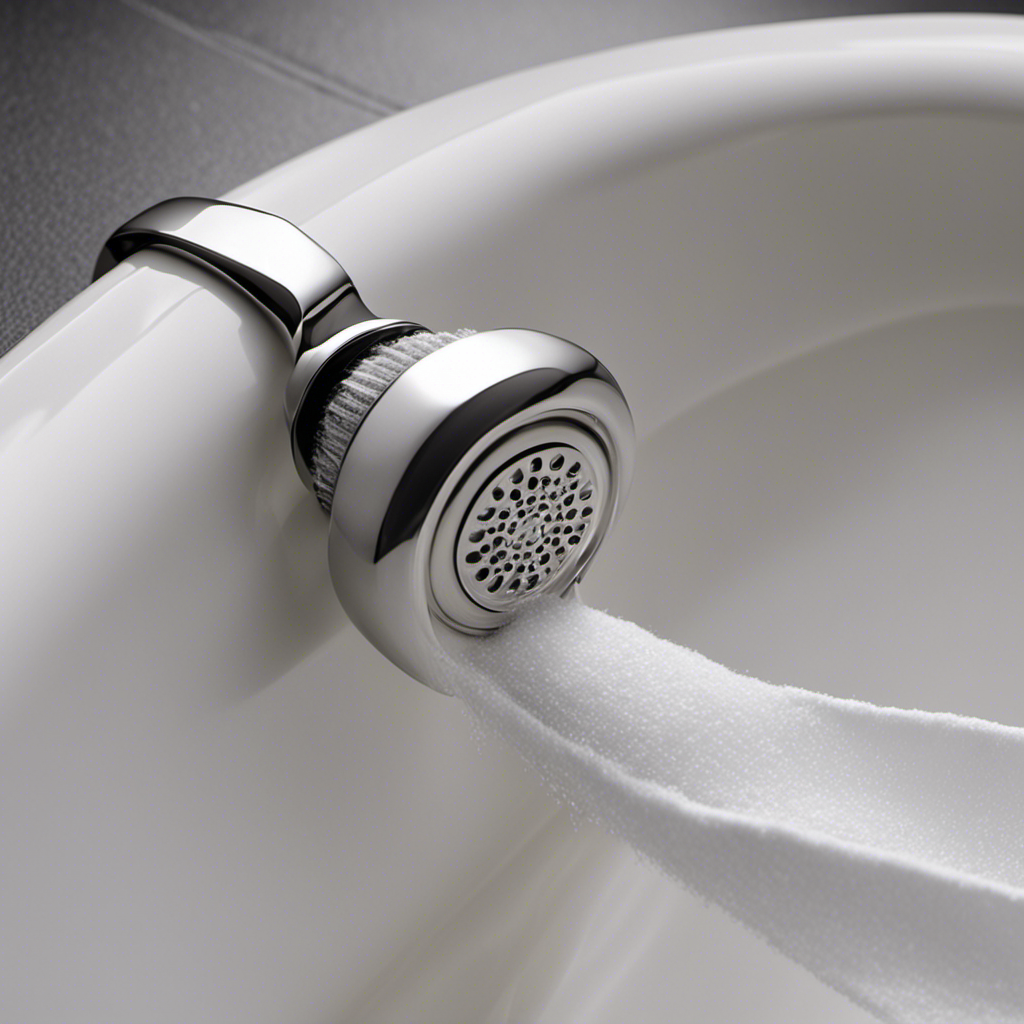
<point x="418" y="462"/>
<point x="410" y="553"/>
<point x="296" y="280"/>
<point x="526" y="523"/>
<point x="278" y="264"/>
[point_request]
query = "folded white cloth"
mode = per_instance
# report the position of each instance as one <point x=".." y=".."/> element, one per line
<point x="881" y="848"/>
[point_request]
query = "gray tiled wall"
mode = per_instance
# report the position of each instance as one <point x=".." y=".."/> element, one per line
<point x="110" y="105"/>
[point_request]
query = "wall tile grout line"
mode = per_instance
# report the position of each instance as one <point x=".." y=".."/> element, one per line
<point x="268" y="63"/>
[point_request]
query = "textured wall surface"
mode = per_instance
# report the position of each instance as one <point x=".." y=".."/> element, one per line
<point x="110" y="105"/>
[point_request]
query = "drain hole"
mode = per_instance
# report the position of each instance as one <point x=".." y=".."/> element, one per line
<point x="525" y="524"/>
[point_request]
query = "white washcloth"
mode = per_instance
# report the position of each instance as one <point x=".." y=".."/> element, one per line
<point x="883" y="849"/>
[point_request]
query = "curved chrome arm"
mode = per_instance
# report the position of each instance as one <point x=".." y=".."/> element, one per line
<point x="278" y="264"/>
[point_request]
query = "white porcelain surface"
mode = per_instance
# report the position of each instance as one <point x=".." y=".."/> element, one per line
<point x="798" y="248"/>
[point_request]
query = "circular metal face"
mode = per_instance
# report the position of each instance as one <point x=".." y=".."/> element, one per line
<point x="525" y="522"/>
<point x="422" y="468"/>
<point x="557" y="490"/>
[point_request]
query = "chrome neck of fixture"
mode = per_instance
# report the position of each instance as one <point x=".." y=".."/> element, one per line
<point x="292" y="277"/>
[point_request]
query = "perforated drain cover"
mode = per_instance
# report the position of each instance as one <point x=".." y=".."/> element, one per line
<point x="525" y="522"/>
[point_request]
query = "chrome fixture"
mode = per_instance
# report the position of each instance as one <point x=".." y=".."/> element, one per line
<point x="487" y="471"/>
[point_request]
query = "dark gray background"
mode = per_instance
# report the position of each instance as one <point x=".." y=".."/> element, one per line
<point x="111" y="105"/>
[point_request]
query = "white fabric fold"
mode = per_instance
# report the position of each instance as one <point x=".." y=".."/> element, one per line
<point x="881" y="848"/>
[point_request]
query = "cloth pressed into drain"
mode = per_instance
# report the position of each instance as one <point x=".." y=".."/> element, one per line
<point x="880" y="848"/>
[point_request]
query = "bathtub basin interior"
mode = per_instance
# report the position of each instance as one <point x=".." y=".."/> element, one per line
<point x="798" y="250"/>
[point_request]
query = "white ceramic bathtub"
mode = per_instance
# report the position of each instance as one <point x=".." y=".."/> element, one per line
<point x="798" y="248"/>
